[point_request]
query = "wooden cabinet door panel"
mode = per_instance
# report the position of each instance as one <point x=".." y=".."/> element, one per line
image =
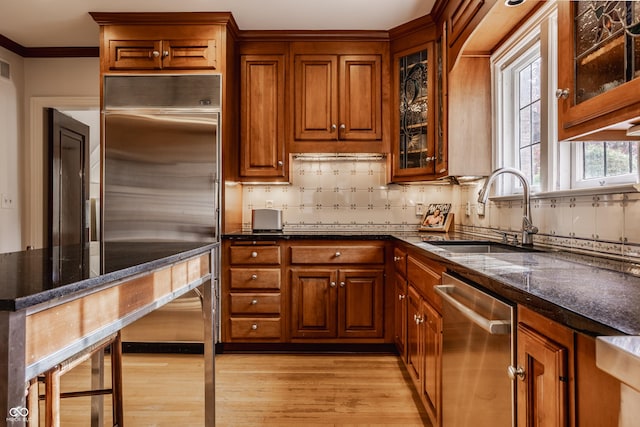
<point x="542" y="393"/>
<point x="313" y="303"/>
<point x="414" y="339"/>
<point x="189" y="54"/>
<point x="316" y="97"/>
<point x="135" y="54"/>
<point x="262" y="117"/>
<point x="432" y="384"/>
<point x="360" y="303"/>
<point x="400" y="315"/>
<point x="360" y="97"/>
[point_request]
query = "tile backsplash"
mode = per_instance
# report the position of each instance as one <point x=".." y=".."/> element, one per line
<point x="350" y="194"/>
<point x="343" y="194"/>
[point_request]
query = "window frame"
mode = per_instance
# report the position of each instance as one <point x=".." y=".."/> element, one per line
<point x="538" y="34"/>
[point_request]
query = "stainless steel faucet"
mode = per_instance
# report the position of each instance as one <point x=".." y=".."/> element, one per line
<point x="528" y="229"/>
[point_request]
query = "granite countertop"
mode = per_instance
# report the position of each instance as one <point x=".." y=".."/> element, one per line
<point x="28" y="278"/>
<point x="593" y="295"/>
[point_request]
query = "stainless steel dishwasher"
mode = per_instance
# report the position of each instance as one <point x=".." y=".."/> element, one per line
<point x="478" y="348"/>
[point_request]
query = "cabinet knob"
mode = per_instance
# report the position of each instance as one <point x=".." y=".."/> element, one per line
<point x="419" y="319"/>
<point x="333" y="127"/>
<point x="254" y="326"/>
<point x="254" y="301"/>
<point x="332" y="284"/>
<point x="254" y="277"/>
<point x="342" y="126"/>
<point x="401" y="297"/>
<point x="343" y="284"/>
<point x="562" y="93"/>
<point x="254" y="254"/>
<point x="516" y="372"/>
<point x="338" y="253"/>
<point x="280" y="163"/>
<point x="155" y="54"/>
<point x="397" y="258"/>
<point x="165" y="53"/>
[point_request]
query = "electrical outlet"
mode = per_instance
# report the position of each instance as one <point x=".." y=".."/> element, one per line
<point x="480" y="209"/>
<point x="467" y="209"/>
<point x="7" y="201"/>
<point x="419" y="209"/>
<point x="268" y="204"/>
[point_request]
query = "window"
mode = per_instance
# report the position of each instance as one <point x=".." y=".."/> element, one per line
<point x="521" y="72"/>
<point x="524" y="82"/>
<point x="600" y="163"/>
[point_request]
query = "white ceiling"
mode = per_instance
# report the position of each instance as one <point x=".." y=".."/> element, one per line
<point x="56" y="23"/>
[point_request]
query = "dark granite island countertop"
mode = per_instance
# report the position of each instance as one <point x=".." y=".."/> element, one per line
<point x="28" y="278"/>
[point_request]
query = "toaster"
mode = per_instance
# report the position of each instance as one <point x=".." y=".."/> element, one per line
<point x="266" y="220"/>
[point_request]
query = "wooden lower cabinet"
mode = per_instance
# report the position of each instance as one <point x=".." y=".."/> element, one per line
<point x="400" y="315"/>
<point x="542" y="386"/>
<point x="330" y="303"/>
<point x="424" y="336"/>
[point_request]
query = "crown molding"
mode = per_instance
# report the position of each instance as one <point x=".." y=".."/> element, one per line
<point x="49" y="52"/>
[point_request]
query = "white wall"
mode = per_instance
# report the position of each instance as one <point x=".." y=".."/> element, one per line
<point x="11" y="135"/>
<point x="63" y="83"/>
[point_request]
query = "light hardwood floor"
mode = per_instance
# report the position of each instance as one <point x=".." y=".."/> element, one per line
<point x="258" y="390"/>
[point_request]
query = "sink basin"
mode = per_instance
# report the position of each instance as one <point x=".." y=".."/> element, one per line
<point x="479" y="247"/>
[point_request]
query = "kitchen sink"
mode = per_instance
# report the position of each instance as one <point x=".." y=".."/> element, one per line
<point x="479" y="247"/>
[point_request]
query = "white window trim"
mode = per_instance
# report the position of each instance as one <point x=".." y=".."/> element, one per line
<point x="577" y="170"/>
<point x="536" y="31"/>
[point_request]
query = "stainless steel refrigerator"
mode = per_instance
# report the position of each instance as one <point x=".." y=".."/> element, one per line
<point x="161" y="178"/>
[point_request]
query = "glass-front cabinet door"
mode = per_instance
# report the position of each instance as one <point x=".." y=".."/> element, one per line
<point x="598" y="64"/>
<point x="414" y="146"/>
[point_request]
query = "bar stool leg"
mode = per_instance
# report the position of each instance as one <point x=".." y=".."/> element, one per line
<point x="52" y="398"/>
<point x="116" y="381"/>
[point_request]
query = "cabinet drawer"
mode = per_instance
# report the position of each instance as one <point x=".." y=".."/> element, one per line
<point x="255" y="328"/>
<point x="255" y="255"/>
<point x="424" y="279"/>
<point x="337" y="255"/>
<point x="255" y="278"/>
<point x="255" y="303"/>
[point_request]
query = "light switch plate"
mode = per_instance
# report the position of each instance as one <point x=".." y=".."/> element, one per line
<point x="480" y="208"/>
<point x="6" y="201"/>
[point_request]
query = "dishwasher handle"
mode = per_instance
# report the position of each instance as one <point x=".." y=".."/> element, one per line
<point x="494" y="327"/>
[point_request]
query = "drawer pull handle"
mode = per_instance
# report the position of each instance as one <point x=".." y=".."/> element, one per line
<point x="254" y="277"/>
<point x="254" y="254"/>
<point x="338" y="254"/>
<point x="254" y="301"/>
<point x="332" y="284"/>
<point x="254" y="326"/>
<point x="401" y="297"/>
<point x="342" y="284"/>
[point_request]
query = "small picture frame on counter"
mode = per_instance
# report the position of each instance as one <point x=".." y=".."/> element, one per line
<point x="437" y="217"/>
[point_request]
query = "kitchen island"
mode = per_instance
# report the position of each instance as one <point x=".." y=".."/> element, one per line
<point x="53" y="307"/>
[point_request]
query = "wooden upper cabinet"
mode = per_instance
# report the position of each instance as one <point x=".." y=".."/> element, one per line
<point x="162" y="54"/>
<point x="338" y="96"/>
<point x="156" y="42"/>
<point x="316" y="97"/>
<point x="262" y="118"/>
<point x="598" y="83"/>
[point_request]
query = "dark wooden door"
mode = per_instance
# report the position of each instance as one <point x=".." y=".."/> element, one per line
<point x="400" y="315"/>
<point x="360" y="97"/>
<point x="415" y="359"/>
<point x="68" y="192"/>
